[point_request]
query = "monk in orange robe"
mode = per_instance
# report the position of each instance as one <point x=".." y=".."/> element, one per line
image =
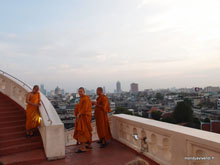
<point x="32" y="111"/>
<point x="83" y="128"/>
<point x="75" y="114"/>
<point x="102" y="108"/>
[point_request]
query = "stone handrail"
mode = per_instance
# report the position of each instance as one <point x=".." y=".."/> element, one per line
<point x="51" y="129"/>
<point x="69" y="140"/>
<point x="25" y="86"/>
<point x="167" y="144"/>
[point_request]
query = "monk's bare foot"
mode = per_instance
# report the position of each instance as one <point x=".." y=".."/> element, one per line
<point x="103" y="145"/>
<point x="80" y="151"/>
<point x="28" y="135"/>
<point x="99" y="141"/>
<point x="89" y="147"/>
<point x="31" y="133"/>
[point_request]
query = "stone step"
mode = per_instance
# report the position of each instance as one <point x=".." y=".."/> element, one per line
<point x="10" y="113"/>
<point x="15" y="148"/>
<point x="36" y="156"/>
<point x="9" y="129"/>
<point x="12" y="135"/>
<point x="12" y="123"/>
<point x="19" y="140"/>
<point x="12" y="118"/>
<point x="20" y="148"/>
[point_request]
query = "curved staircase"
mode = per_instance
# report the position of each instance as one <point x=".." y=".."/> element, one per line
<point x="13" y="143"/>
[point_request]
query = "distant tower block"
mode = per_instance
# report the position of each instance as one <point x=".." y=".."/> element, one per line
<point x="134" y="88"/>
<point x="118" y="87"/>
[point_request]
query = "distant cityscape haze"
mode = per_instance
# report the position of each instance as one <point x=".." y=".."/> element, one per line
<point x="155" y="43"/>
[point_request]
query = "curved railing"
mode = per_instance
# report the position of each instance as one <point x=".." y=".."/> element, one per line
<point x="167" y="143"/>
<point x="27" y="86"/>
<point x="69" y="139"/>
<point x="51" y="128"/>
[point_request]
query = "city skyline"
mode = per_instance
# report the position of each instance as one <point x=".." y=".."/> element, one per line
<point x="196" y="88"/>
<point x="156" y="43"/>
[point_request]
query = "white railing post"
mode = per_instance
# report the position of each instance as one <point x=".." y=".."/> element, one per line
<point x="52" y="129"/>
<point x="167" y="144"/>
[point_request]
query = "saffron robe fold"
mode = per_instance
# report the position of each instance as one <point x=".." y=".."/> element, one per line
<point x="83" y="128"/>
<point x="32" y="112"/>
<point x="101" y="116"/>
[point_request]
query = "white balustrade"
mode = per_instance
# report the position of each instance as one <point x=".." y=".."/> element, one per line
<point x="71" y="141"/>
<point x="51" y="129"/>
<point x="167" y="144"/>
<point x="69" y="133"/>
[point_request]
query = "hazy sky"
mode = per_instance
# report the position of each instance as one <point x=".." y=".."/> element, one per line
<point x="90" y="43"/>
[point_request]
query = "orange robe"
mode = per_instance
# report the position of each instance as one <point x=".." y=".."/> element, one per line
<point x="76" y="110"/>
<point x="83" y="128"/>
<point x="101" y="116"/>
<point x="32" y="112"/>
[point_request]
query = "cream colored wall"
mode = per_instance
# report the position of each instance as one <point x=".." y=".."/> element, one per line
<point x="52" y="131"/>
<point x="69" y="140"/>
<point x="166" y="143"/>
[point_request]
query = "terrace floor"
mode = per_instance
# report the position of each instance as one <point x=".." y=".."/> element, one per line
<point x="114" y="154"/>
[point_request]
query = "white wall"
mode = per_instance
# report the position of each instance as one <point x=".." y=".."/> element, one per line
<point x="51" y="129"/>
<point x="166" y="143"/>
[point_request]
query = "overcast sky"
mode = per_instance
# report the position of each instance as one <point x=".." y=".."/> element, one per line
<point x="90" y="43"/>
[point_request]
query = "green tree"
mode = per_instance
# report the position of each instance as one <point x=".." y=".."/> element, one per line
<point x="207" y="103"/>
<point x="196" y="122"/>
<point x="183" y="112"/>
<point x="156" y="115"/>
<point x="187" y="101"/>
<point x="207" y="120"/>
<point x="169" y="119"/>
<point x="159" y="96"/>
<point x="122" y="110"/>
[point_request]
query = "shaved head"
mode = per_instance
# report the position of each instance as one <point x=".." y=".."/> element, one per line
<point x="81" y="91"/>
<point x="35" y="89"/>
<point x="35" y="86"/>
<point x="81" y="88"/>
<point x="99" y="91"/>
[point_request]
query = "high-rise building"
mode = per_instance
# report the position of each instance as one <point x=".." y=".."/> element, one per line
<point x="90" y="92"/>
<point x="118" y="87"/>
<point x="104" y="90"/>
<point x="52" y="93"/>
<point x="58" y="91"/>
<point x="134" y="88"/>
<point x="197" y="89"/>
<point x="42" y="89"/>
<point x="211" y="89"/>
<point x="218" y="104"/>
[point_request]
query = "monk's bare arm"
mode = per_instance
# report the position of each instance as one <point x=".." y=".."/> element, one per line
<point x="28" y="100"/>
<point x="84" y="105"/>
<point x="100" y="105"/>
<point x="76" y="110"/>
<point x="80" y="107"/>
<point x="39" y="98"/>
<point x="103" y="105"/>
